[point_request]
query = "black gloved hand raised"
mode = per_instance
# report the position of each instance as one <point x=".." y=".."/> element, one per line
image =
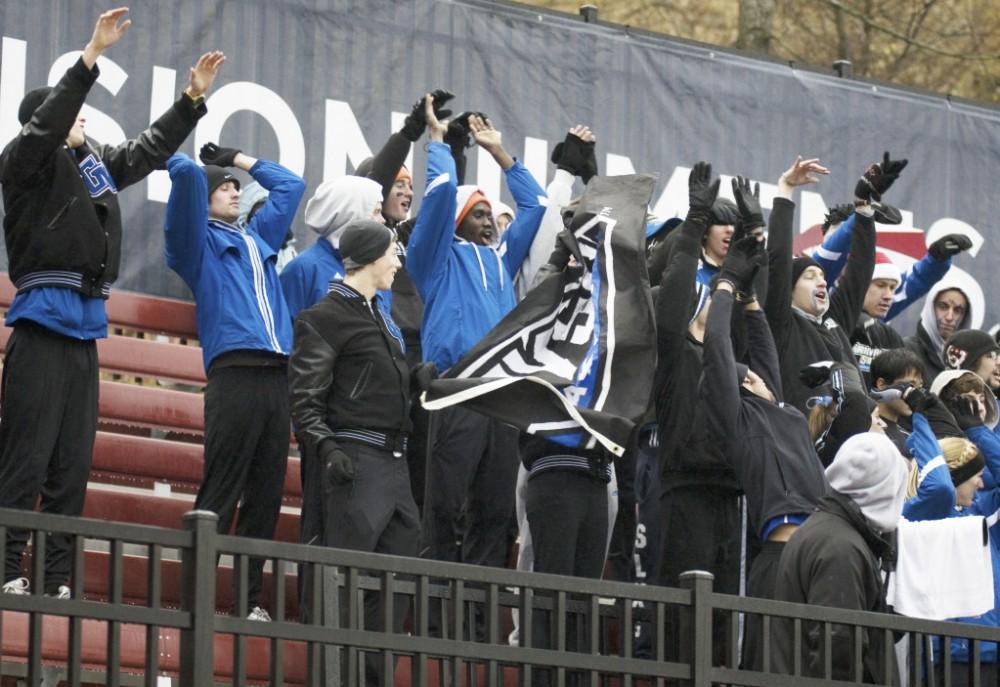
<point x="742" y="263"/>
<point x="571" y="154"/>
<point x="965" y="410"/>
<point x="949" y="245"/>
<point x="212" y="154"/>
<point x="816" y="374"/>
<point x="416" y="122"/>
<point x="748" y="201"/>
<point x="920" y="400"/>
<point x="338" y="468"/>
<point x="702" y="192"/>
<point x="878" y="178"/>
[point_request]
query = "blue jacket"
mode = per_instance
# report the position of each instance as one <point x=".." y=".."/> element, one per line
<point x="916" y="282"/>
<point x="230" y="269"/>
<point x="306" y="280"/>
<point x="466" y="288"/>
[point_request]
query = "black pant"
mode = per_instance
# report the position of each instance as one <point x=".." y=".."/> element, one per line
<point x="374" y="512"/>
<point x="246" y="454"/>
<point x="568" y="517"/>
<point x="760" y="584"/>
<point x="472" y="463"/>
<point x="48" y="419"/>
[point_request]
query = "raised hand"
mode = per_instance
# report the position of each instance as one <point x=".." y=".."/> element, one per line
<point x="416" y="121"/>
<point x="203" y="73"/>
<point x="702" y="192"/>
<point x="743" y="261"/>
<point x="949" y="245"/>
<point x="212" y="154"/>
<point x="803" y="172"/>
<point x="877" y="179"/>
<point x="484" y="133"/>
<point x="574" y="152"/>
<point x="437" y="127"/>
<point x="107" y="32"/>
<point x="748" y="201"/>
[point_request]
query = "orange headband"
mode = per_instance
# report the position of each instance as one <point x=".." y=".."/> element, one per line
<point x="477" y="196"/>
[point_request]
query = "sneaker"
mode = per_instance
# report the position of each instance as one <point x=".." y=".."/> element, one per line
<point x="256" y="613"/>
<point x="20" y="587"/>
<point x="62" y="593"/>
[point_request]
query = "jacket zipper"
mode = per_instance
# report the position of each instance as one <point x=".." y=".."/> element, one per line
<point x="62" y="212"/>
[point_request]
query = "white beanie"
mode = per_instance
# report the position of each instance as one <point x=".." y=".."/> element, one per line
<point x="870" y="470"/>
<point x="337" y="203"/>
<point x="502" y="209"/>
<point x="885" y="268"/>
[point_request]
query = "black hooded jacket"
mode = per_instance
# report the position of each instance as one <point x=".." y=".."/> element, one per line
<point x="834" y="559"/>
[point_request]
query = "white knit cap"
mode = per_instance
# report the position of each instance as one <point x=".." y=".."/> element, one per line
<point x="336" y="203"/>
<point x="870" y="470"/>
<point x="885" y="268"/>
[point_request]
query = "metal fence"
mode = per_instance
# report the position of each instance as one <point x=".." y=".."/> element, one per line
<point x="145" y="605"/>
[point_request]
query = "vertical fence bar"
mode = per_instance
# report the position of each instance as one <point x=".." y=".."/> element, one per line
<point x="241" y="609"/>
<point x="457" y="606"/>
<point x="734" y="640"/>
<point x="75" y="623"/>
<point x="333" y="657"/>
<point x="353" y="657"/>
<point x="35" y="619"/>
<point x="3" y="557"/>
<point x="558" y="641"/>
<point x="114" y="653"/>
<point x="278" y="604"/>
<point x="827" y="651"/>
<point x="856" y="667"/>
<point x="946" y="660"/>
<point x="658" y="639"/>
<point x="526" y="635"/>
<point x="154" y="583"/>
<point x="696" y="626"/>
<point x="765" y="641"/>
<point x="594" y="636"/>
<point x="421" y="613"/>
<point x="888" y="654"/>
<point x="388" y="604"/>
<point x="492" y="631"/>
<point x="627" y="632"/>
<point x="797" y="646"/>
<point x="974" y="662"/>
<point x="198" y="599"/>
<point x="314" y="651"/>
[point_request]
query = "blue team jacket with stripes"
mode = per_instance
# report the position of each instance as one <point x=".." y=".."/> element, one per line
<point x="230" y="268"/>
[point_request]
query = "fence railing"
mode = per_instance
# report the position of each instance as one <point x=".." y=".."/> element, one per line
<point x="344" y="617"/>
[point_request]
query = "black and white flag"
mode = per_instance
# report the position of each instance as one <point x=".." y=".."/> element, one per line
<point x="574" y="361"/>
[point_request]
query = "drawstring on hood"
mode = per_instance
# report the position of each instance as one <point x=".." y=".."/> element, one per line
<point x="337" y="203"/>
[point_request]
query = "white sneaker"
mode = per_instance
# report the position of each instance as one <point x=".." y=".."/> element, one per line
<point x="256" y="613"/>
<point x="63" y="593"/>
<point x="19" y="587"/>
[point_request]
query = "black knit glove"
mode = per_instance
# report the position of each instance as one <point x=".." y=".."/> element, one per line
<point x="965" y="410"/>
<point x="920" y="400"/>
<point x="421" y="377"/>
<point x="744" y="259"/>
<point x="878" y="178"/>
<point x="702" y="192"/>
<point x="338" y="468"/>
<point x="212" y="154"/>
<point x="816" y="374"/>
<point x="571" y="154"/>
<point x="416" y="122"/>
<point x="748" y="201"/>
<point x="949" y="245"/>
<point x="838" y="214"/>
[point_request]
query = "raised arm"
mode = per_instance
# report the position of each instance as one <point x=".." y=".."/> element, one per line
<point x="935" y="497"/>
<point x="919" y="279"/>
<point x="186" y="219"/>
<point x="720" y="389"/>
<point x="285" y="188"/>
<point x="832" y="253"/>
<point x="849" y="297"/>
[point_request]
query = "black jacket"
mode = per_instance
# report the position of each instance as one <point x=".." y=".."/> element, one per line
<point x="62" y="223"/>
<point x="347" y="371"/>
<point x="801" y="340"/>
<point x="871" y="337"/>
<point x="834" y="559"/>
<point x="690" y="454"/>
<point x="768" y="443"/>
<point x="921" y="344"/>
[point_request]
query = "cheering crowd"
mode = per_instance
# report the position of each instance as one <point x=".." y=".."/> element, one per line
<point x="790" y="428"/>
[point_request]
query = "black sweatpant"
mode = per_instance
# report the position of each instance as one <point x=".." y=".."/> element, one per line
<point x="246" y="454"/>
<point x="760" y="584"/>
<point x="568" y="518"/>
<point x="48" y="419"/>
<point x="701" y="530"/>
<point x="473" y="463"/>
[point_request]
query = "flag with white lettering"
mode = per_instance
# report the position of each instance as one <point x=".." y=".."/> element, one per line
<point x="574" y="361"/>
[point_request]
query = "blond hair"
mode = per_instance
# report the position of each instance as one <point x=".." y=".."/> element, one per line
<point x="956" y="452"/>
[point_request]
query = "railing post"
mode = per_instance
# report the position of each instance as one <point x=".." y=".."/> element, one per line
<point x="198" y="599"/>
<point x="696" y="627"/>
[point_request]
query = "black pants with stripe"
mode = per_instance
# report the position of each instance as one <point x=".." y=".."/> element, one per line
<point x="246" y="454"/>
<point x="48" y="420"/>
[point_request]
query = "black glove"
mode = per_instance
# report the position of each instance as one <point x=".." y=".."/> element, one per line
<point x="338" y="468"/>
<point x="416" y="121"/>
<point x="878" y="178"/>
<point x="965" y="410"/>
<point x="838" y="214"/>
<point x="949" y="245"/>
<point x="702" y="192"/>
<point x="816" y="374"/>
<point x="589" y="170"/>
<point x="212" y="154"/>
<point x="742" y="263"/>
<point x="571" y="154"/>
<point x="748" y="201"/>
<point x="920" y="400"/>
<point x="421" y="377"/>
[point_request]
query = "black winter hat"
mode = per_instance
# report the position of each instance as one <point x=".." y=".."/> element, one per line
<point x="724" y="211"/>
<point x="363" y="242"/>
<point x="799" y="266"/>
<point x="30" y="102"/>
<point x="217" y="176"/>
<point x="964" y="349"/>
